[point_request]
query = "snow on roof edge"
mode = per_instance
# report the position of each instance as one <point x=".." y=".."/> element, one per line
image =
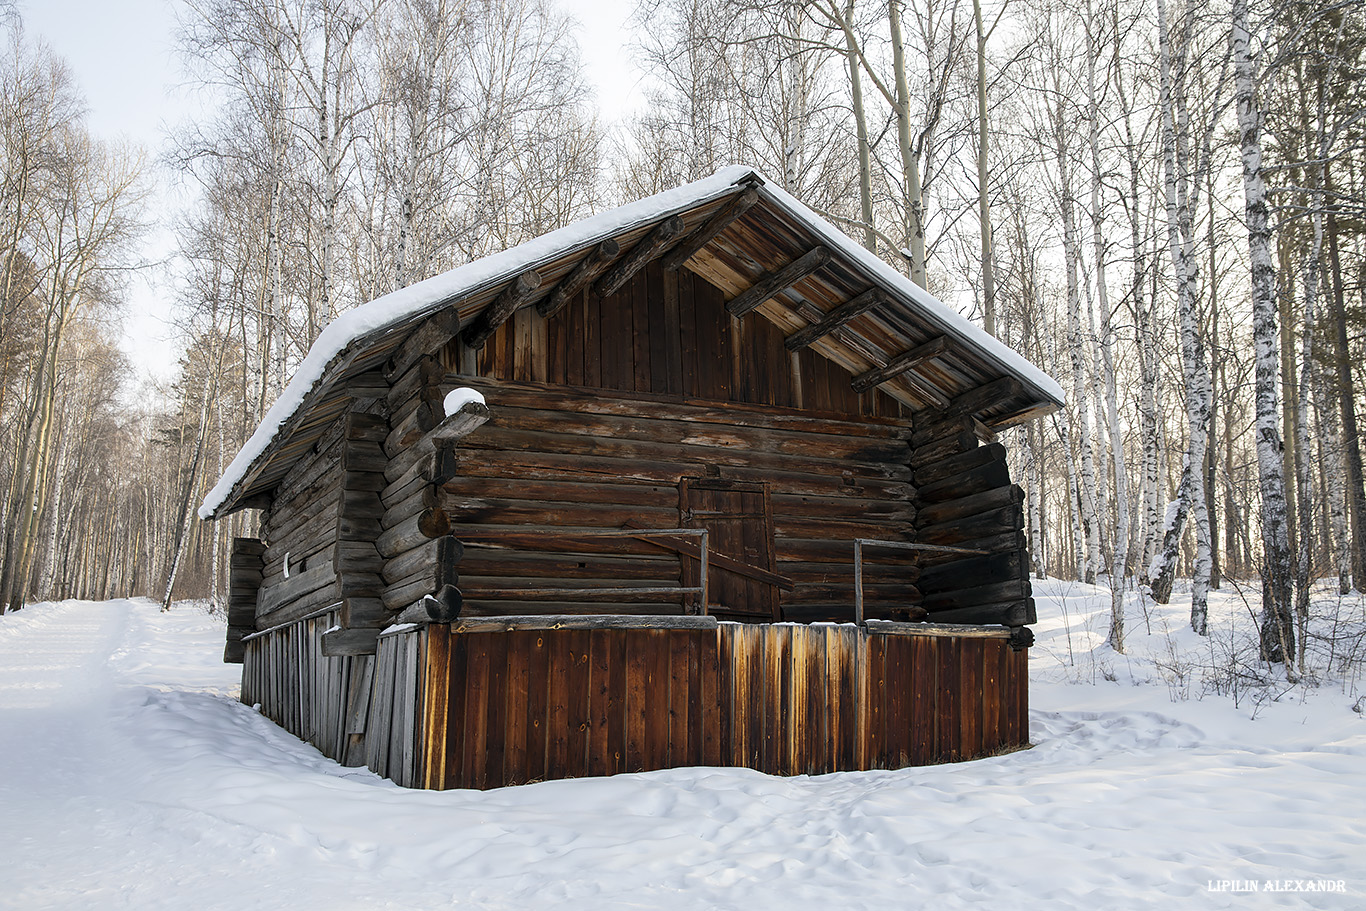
<point x="405" y="302"/>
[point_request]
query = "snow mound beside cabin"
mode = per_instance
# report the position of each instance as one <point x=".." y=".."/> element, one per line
<point x="134" y="779"/>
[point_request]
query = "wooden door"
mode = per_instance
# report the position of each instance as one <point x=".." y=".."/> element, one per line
<point x="743" y="582"/>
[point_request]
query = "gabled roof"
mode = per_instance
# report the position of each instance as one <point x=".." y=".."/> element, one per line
<point x="776" y="258"/>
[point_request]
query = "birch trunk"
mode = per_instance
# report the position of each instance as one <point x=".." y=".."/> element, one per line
<point x="1277" y="634"/>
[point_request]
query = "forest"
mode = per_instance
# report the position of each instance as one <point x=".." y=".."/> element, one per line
<point x="1159" y="203"/>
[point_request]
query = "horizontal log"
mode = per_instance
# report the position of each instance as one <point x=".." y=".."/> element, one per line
<point x="1004" y="519"/>
<point x="363" y="613"/>
<point x="370" y="481"/>
<point x="993" y="593"/>
<point x="368" y="385"/>
<point x="645" y="250"/>
<point x="437" y="557"/>
<point x="426" y="373"/>
<point x="969" y="571"/>
<point x="342" y="643"/>
<point x="295" y="586"/>
<point x="363" y="458"/>
<point x="362" y="427"/>
<point x="957" y="464"/>
<point x="474" y="608"/>
<point x="316" y="469"/>
<point x="357" y="529"/>
<point x="579" y="621"/>
<point x="902" y="363"/>
<point x="502" y="394"/>
<point x="503" y="306"/>
<point x="986" y="395"/>
<point x="414" y="588"/>
<point x="722" y="219"/>
<point x="940" y="426"/>
<point x="938" y="630"/>
<point x="431" y="335"/>
<point x="411" y="428"/>
<point x="996" y="543"/>
<point x="1015" y="613"/>
<point x="298" y="608"/>
<point x="971" y="505"/>
<point x="587" y="269"/>
<point x="426" y="497"/>
<point x="943" y="448"/>
<point x="234" y="651"/>
<point x="777" y="281"/>
<point x="357" y="557"/>
<point x="433" y="468"/>
<point x="983" y="478"/>
<point x="844" y="313"/>
<point x="247" y="547"/>
<point x="413" y="531"/>
<point x="361" y="504"/>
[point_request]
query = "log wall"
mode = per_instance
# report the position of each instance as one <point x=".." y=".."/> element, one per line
<point x="509" y="706"/>
<point x="667" y="332"/>
<point x="553" y="460"/>
<point x="356" y="709"/>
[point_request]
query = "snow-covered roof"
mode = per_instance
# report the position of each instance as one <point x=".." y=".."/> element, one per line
<point x="336" y="352"/>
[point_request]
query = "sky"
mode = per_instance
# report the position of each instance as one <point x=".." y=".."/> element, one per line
<point x="124" y="58"/>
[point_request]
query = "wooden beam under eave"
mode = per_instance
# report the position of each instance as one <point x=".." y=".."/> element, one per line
<point x="842" y="314"/>
<point x="772" y="283"/>
<point x="986" y="395"/>
<point x="503" y="306"/>
<point x="698" y="239"/>
<point x="587" y="269"/>
<point x="902" y="363"/>
<point x="650" y="246"/>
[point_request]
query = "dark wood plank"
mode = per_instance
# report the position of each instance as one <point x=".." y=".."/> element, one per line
<point x="537" y="702"/>
<point x="578" y="717"/>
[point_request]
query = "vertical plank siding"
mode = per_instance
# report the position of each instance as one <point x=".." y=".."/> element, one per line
<point x="358" y="710"/>
<point x="785" y="699"/>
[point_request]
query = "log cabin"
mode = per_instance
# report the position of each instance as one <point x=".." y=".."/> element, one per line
<point x="695" y="481"/>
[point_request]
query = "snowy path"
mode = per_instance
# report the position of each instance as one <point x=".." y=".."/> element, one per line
<point x="132" y="779"/>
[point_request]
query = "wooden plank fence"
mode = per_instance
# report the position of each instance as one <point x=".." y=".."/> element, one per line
<point x="491" y="702"/>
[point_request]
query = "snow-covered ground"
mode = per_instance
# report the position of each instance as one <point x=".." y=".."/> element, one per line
<point x="132" y="779"/>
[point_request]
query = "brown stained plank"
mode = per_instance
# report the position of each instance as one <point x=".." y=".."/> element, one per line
<point x="577" y="718"/>
<point x="835" y="707"/>
<point x="696" y="706"/>
<point x="950" y="700"/>
<point x="618" y="704"/>
<point x="689" y="369"/>
<point x="494" y="774"/>
<point x="716" y="683"/>
<point x="799" y="719"/>
<point x="924" y="680"/>
<point x="671" y="321"/>
<point x="592" y="339"/>
<point x="436" y="705"/>
<point x="874" y="734"/>
<point x="655" y="754"/>
<point x="894" y="701"/>
<point x="572" y="321"/>
<point x="636" y="701"/>
<point x="679" y="700"/>
<point x="557" y="725"/>
<point x="991" y="697"/>
<point x="521" y="645"/>
<point x="599" y="679"/>
<point x="971" y="702"/>
<point x="659" y="337"/>
<point x="537" y="705"/>
<point x="738" y="698"/>
<point x="778" y="685"/>
<point x="1021" y="661"/>
<point x="641" y="332"/>
<point x="458" y="693"/>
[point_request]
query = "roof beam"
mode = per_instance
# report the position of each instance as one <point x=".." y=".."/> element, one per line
<point x="902" y="363"/>
<point x="771" y="283"/>
<point x="698" y="239"/>
<point x="650" y="246"/>
<point x="503" y="306"/>
<point x="842" y="314"/>
<point x="986" y="395"/>
<point x="584" y="272"/>
<point x="434" y="332"/>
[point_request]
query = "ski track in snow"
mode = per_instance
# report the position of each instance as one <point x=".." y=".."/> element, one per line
<point x="134" y="779"/>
